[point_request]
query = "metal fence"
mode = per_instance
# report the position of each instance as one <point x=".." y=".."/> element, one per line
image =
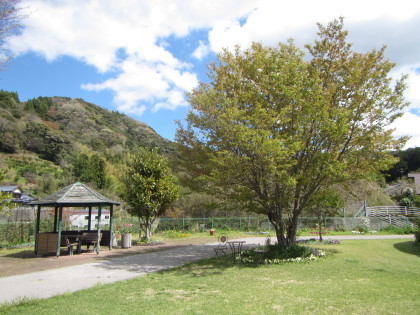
<point x="201" y="224"/>
<point x="263" y="225"/>
<point x="12" y="232"/>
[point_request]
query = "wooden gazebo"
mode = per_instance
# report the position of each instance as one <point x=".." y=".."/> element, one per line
<point x="75" y="195"/>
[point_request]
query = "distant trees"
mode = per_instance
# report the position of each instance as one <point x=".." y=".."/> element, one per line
<point x="3" y="196"/>
<point x="326" y="203"/>
<point x="276" y="129"/>
<point x="409" y="161"/>
<point x="40" y="105"/>
<point x="8" y="99"/>
<point x="41" y="139"/>
<point x="91" y="169"/>
<point x="148" y="187"/>
<point x="10" y="23"/>
<point x="9" y="142"/>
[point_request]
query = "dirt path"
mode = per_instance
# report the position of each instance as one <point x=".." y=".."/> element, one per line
<point x="16" y="262"/>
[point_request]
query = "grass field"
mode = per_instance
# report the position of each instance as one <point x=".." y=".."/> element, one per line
<point x="358" y="277"/>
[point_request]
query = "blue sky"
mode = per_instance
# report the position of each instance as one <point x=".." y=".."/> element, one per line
<point x="140" y="57"/>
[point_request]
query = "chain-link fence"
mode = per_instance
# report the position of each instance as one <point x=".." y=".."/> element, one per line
<point x="15" y="232"/>
<point x="263" y="225"/>
<point x="202" y="224"/>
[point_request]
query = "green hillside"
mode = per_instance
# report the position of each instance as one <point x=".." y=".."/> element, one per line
<point x="49" y="142"/>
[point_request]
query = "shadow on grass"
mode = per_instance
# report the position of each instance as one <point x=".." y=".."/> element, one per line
<point x="213" y="266"/>
<point x="159" y="260"/>
<point x="195" y="261"/>
<point x="409" y="247"/>
<point x="217" y="265"/>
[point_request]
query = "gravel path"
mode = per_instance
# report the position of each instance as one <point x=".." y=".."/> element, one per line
<point x="45" y="284"/>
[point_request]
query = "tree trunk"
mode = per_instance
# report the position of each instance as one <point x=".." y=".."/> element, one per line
<point x="290" y="238"/>
<point x="147" y="229"/>
<point x="320" y="228"/>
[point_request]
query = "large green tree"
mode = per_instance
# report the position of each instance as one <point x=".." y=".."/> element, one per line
<point x="149" y="187"/>
<point x="275" y="127"/>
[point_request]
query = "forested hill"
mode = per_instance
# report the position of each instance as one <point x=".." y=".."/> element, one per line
<point x="59" y="130"/>
<point x="67" y="122"/>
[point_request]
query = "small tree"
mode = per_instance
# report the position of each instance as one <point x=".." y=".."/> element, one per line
<point x="324" y="204"/>
<point x="148" y="187"/>
<point x="275" y="128"/>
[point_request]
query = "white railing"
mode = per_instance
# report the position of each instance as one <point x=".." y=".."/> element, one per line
<point x="392" y="211"/>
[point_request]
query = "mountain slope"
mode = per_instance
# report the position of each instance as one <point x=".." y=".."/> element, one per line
<point x="54" y="131"/>
<point x="72" y="121"/>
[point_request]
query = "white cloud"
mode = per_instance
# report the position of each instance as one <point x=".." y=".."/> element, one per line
<point x="150" y="77"/>
<point x="408" y="125"/>
<point x="201" y="51"/>
<point x="413" y="91"/>
<point x="273" y="21"/>
<point x="94" y="31"/>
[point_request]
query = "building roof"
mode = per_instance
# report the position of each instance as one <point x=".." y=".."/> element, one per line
<point x="75" y="195"/>
<point x="23" y="198"/>
<point x="17" y="194"/>
<point x="10" y="188"/>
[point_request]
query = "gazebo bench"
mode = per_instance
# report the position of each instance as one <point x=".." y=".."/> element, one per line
<point x="91" y="238"/>
<point x="66" y="242"/>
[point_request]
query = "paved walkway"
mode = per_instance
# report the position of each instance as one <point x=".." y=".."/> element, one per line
<point x="52" y="282"/>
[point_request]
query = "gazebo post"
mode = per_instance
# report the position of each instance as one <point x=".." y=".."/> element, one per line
<point x="111" y="233"/>
<point x="98" y="244"/>
<point x="90" y="218"/>
<point x="55" y="218"/>
<point x="38" y="218"/>
<point x="60" y="226"/>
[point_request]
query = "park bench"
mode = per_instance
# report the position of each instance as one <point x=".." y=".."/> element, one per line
<point x="91" y="238"/>
<point x="68" y="242"/>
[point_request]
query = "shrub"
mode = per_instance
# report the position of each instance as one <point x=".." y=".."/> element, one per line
<point x="417" y="236"/>
<point x="361" y="229"/>
<point x="279" y="255"/>
<point x="17" y="233"/>
<point x="408" y="229"/>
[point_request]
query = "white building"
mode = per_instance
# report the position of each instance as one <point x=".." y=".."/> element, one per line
<point x="80" y="218"/>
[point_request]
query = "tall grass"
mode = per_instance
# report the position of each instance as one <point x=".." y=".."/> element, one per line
<point x="358" y="277"/>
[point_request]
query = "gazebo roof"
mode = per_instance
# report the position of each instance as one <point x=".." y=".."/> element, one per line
<point x="75" y="195"/>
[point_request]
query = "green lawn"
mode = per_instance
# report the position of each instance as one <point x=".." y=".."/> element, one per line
<point x="358" y="277"/>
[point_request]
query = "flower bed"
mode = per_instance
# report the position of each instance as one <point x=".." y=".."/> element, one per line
<point x="278" y="255"/>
